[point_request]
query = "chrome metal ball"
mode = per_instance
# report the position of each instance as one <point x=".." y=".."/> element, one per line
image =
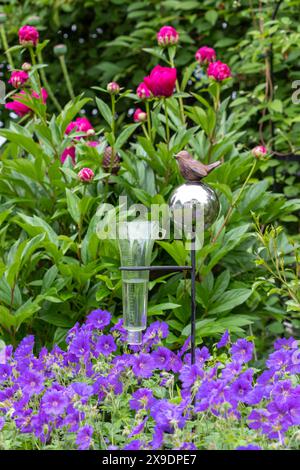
<point x="195" y="195"/>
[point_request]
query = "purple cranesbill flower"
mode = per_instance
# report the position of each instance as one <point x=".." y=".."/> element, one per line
<point x="98" y="319"/>
<point x="105" y="345"/>
<point x="72" y="419"/>
<point x="143" y="365"/>
<point x="202" y="355"/>
<point x="161" y="357"/>
<point x="134" y="445"/>
<point x="31" y="382"/>
<point x="175" y="363"/>
<point x="231" y="370"/>
<point x="285" y="343"/>
<point x="157" y="438"/>
<point x="258" y="418"/>
<point x="279" y="360"/>
<point x="84" y="437"/>
<point x="167" y="415"/>
<point x="190" y="374"/>
<point x="241" y="351"/>
<point x="282" y="391"/>
<point x="83" y="390"/>
<point x="142" y="399"/>
<point x="155" y="332"/>
<point x="120" y="329"/>
<point x="186" y="346"/>
<point x="80" y="345"/>
<point x="187" y="446"/>
<point x="294" y="409"/>
<point x="2" y="422"/>
<point x="249" y="447"/>
<point x="138" y="428"/>
<point x="5" y="372"/>
<point x="72" y="333"/>
<point x="224" y="340"/>
<point x="239" y="390"/>
<point x="256" y="395"/>
<point x="54" y="402"/>
<point x="23" y="420"/>
<point x="41" y="426"/>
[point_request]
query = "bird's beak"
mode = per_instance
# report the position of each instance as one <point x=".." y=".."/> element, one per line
<point x="176" y="156"/>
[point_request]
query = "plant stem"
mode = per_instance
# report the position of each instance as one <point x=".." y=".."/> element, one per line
<point x="234" y="203"/>
<point x="47" y="84"/>
<point x="148" y="120"/>
<point x="181" y="108"/>
<point x="36" y="73"/>
<point x="66" y="75"/>
<point x="6" y="47"/>
<point x="167" y="121"/>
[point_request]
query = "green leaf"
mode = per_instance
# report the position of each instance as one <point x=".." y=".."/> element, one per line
<point x="73" y="203"/>
<point x="104" y="111"/>
<point x="229" y="300"/>
<point x="125" y="134"/>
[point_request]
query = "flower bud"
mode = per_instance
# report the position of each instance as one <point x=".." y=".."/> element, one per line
<point x="60" y="49"/>
<point x="218" y="71"/>
<point x="205" y="55"/>
<point x="26" y="66"/>
<point x="143" y="91"/>
<point x="113" y="88"/>
<point x="259" y="151"/>
<point x="28" y="36"/>
<point x="167" y="36"/>
<point x="86" y="175"/>
<point x="139" y="115"/>
<point x="111" y="163"/>
<point x="3" y="18"/>
<point x="90" y="132"/>
<point x="18" y="78"/>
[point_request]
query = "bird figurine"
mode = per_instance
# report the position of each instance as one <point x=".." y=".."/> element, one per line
<point x="191" y="169"/>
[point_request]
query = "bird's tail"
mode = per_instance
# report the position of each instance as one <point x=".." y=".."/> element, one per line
<point x="213" y="165"/>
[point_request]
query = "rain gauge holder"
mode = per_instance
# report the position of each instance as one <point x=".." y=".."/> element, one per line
<point x="136" y="243"/>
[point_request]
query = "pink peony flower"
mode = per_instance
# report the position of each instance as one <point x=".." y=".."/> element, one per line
<point x="205" y="55"/>
<point x="113" y="88"/>
<point x="28" y="36"/>
<point x="259" y="151"/>
<point x="167" y="36"/>
<point x="161" y="81"/>
<point x="18" y="78"/>
<point x="86" y="174"/>
<point x="82" y="125"/>
<point x="218" y="71"/>
<point x="20" y="108"/>
<point x="68" y="152"/>
<point x="143" y="91"/>
<point x="139" y="115"/>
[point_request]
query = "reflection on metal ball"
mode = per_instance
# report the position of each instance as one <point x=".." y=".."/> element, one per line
<point x="196" y="195"/>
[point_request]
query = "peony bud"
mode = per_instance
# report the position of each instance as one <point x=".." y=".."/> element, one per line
<point x="259" y="151"/>
<point x="18" y="78"/>
<point x="28" y="36"/>
<point x="205" y="55"/>
<point x="113" y="88"/>
<point x="26" y="66"/>
<point x="110" y="163"/>
<point x="86" y="175"/>
<point x="90" y="132"/>
<point x="60" y="50"/>
<point x="139" y="115"/>
<point x="143" y="91"/>
<point x="3" y="18"/>
<point x="218" y="71"/>
<point x="167" y="36"/>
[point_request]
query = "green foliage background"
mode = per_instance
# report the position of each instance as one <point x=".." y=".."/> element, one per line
<point x="248" y="281"/>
